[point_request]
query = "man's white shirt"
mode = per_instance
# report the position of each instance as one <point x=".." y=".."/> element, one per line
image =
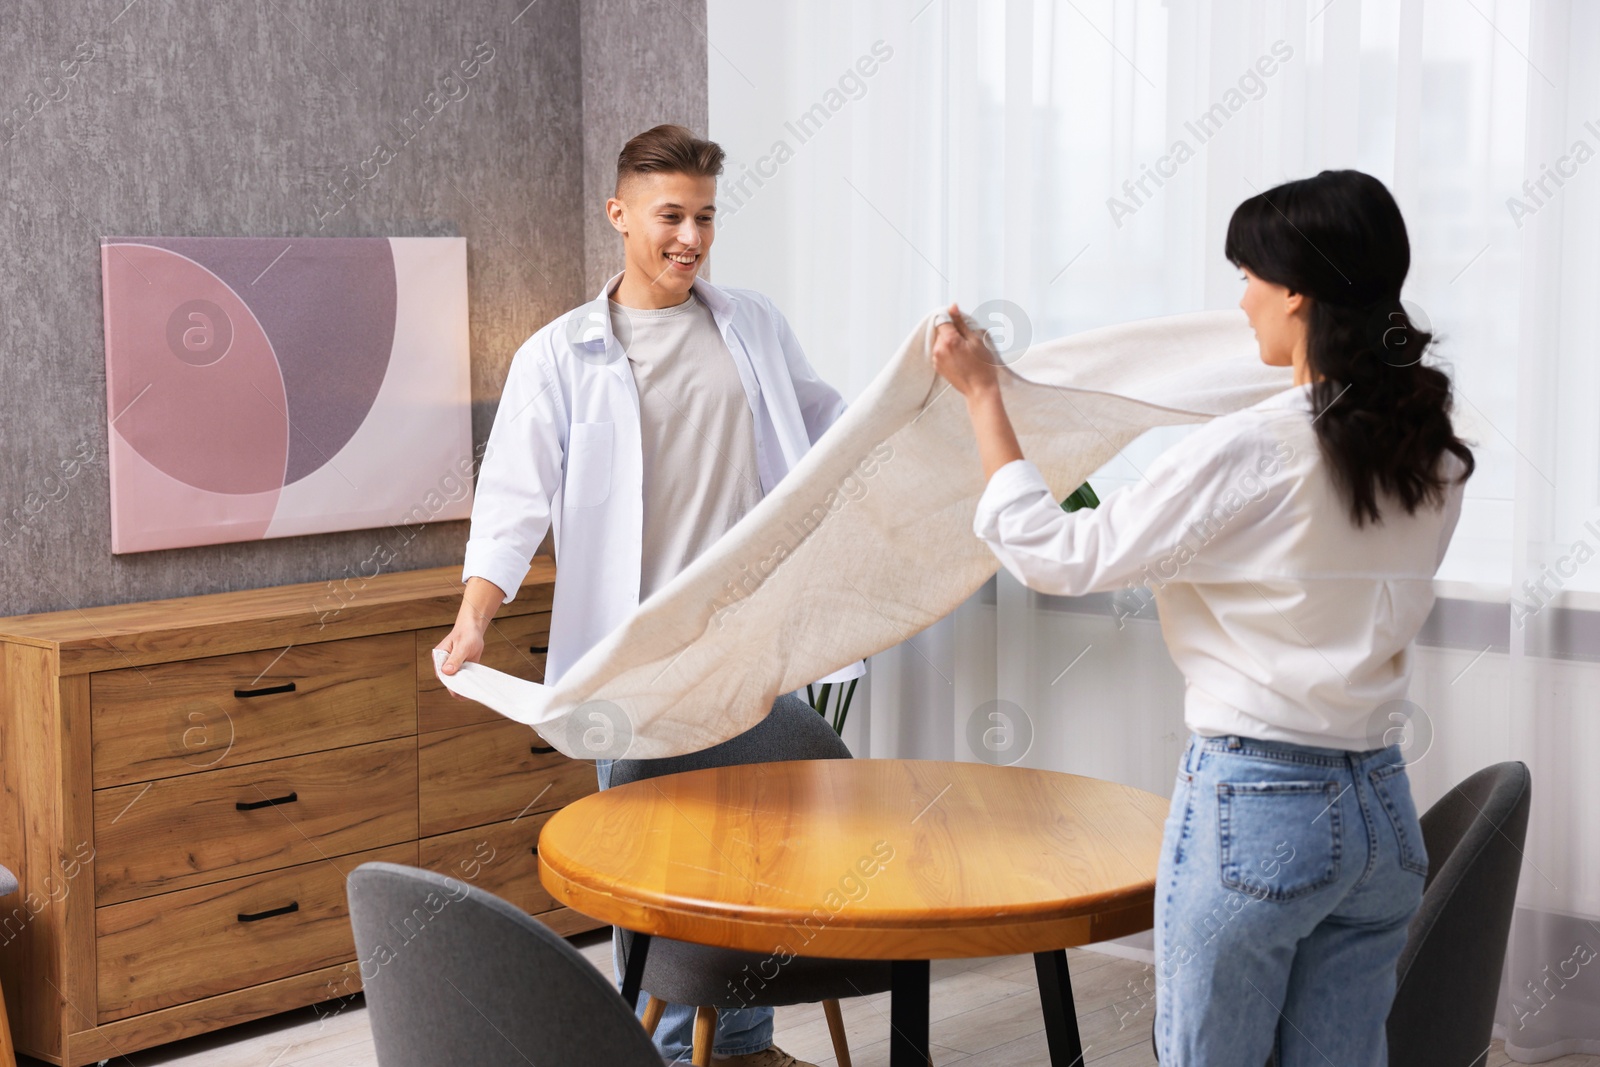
<point x="565" y="454"/>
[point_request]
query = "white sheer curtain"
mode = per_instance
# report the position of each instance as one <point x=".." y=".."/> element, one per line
<point x="1078" y="162"/>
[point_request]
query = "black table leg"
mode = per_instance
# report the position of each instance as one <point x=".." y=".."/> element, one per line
<point x="908" y="1013"/>
<point x="1060" y="1017"/>
<point x="633" y="973"/>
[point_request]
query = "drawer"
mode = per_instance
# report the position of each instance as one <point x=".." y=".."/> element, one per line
<point x="204" y="714"/>
<point x="500" y="859"/>
<point x="515" y="644"/>
<point x="491" y="772"/>
<point x="200" y="828"/>
<point x="177" y="947"/>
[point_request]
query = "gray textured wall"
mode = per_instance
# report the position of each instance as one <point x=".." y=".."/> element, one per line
<point x="192" y="118"/>
<point x="644" y="63"/>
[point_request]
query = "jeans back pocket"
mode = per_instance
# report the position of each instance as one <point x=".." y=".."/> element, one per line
<point x="1279" y="840"/>
<point x="1395" y="796"/>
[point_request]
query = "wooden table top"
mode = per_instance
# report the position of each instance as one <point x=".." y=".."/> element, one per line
<point x="862" y="859"/>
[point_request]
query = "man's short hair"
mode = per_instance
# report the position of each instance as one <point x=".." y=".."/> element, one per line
<point x="668" y="149"/>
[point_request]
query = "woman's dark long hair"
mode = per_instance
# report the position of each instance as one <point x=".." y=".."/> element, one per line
<point x="1382" y="416"/>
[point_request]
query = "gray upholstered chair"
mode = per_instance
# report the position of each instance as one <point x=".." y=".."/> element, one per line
<point x="454" y="974"/>
<point x="676" y="972"/>
<point x="1449" y="971"/>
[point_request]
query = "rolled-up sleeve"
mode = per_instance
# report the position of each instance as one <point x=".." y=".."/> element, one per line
<point x="520" y="472"/>
<point x="1135" y="529"/>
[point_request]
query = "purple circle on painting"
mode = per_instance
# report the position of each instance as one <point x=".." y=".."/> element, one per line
<point x="327" y="305"/>
<point x="199" y="332"/>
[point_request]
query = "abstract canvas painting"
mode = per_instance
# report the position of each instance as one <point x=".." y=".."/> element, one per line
<point x="268" y="387"/>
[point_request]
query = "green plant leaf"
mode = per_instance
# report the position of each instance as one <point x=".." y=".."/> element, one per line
<point x="842" y="696"/>
<point x="1082" y="497"/>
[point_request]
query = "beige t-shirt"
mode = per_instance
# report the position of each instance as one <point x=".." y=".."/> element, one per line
<point x="698" y="434"/>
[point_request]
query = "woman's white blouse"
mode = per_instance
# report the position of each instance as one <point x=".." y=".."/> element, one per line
<point x="1288" y="621"/>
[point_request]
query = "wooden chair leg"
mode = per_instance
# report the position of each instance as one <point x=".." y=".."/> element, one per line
<point x="705" y="1034"/>
<point x="653" y="1008"/>
<point x="841" y="1047"/>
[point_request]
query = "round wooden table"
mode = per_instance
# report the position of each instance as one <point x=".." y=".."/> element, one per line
<point x="900" y="860"/>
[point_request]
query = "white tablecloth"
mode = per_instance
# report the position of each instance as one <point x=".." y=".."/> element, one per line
<point x="869" y="539"/>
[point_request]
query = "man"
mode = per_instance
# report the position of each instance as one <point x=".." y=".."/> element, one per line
<point x="641" y="427"/>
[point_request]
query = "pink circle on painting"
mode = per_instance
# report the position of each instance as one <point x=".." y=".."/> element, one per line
<point x="214" y="423"/>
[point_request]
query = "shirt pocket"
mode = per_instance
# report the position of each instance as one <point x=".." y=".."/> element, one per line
<point x="1395" y="796"/>
<point x="1279" y="840"/>
<point x="587" y="481"/>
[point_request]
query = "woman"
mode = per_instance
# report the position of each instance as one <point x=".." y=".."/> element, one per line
<point x="1305" y="532"/>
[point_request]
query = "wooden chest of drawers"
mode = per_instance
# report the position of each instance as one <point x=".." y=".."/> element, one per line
<point x="185" y="784"/>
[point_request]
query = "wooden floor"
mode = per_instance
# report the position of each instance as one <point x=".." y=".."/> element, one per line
<point x="985" y="1013"/>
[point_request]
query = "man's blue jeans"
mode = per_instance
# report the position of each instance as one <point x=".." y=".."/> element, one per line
<point x="739" y="1030"/>
<point x="1287" y="878"/>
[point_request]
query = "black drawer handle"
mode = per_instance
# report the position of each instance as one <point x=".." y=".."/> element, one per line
<point x="538" y="650"/>
<point x="285" y="910"/>
<point x="266" y="690"/>
<point x="540" y="750"/>
<point x="252" y="805"/>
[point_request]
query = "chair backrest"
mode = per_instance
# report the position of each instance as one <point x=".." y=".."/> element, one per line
<point x="791" y="731"/>
<point x="454" y="974"/>
<point x="1449" y="971"/>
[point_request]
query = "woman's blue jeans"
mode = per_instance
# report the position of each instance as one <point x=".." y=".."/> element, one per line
<point x="739" y="1030"/>
<point x="1288" y="876"/>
